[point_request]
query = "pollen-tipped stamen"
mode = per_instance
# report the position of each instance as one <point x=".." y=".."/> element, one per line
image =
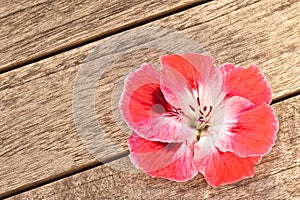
<point x="204" y="117"/>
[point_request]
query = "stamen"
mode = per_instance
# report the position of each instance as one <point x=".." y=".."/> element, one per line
<point x="170" y="114"/>
<point x="200" y="111"/>
<point x="210" y="109"/>
<point x="173" y="113"/>
<point x="201" y="120"/>
<point x="192" y="108"/>
<point x="198" y="101"/>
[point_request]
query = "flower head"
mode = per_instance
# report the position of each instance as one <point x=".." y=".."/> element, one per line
<point x="194" y="117"/>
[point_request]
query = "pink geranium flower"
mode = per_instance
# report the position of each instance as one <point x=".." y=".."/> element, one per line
<point x="194" y="117"/>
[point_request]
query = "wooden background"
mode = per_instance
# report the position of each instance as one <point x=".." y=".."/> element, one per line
<point x="44" y="43"/>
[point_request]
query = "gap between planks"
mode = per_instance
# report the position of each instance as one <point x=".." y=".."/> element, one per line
<point x="69" y="46"/>
<point x="63" y="175"/>
<point x="286" y="96"/>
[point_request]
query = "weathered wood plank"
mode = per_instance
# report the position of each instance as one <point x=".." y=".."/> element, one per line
<point x="8" y="7"/>
<point x="30" y="30"/>
<point x="276" y="177"/>
<point x="38" y="135"/>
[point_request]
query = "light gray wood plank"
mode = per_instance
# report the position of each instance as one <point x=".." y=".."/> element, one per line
<point x="38" y="137"/>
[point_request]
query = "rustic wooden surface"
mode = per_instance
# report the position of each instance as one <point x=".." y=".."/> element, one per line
<point x="38" y="140"/>
<point x="276" y="177"/>
<point x="33" y="29"/>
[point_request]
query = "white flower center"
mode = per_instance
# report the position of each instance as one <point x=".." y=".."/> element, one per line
<point x="199" y="118"/>
<point x="203" y="113"/>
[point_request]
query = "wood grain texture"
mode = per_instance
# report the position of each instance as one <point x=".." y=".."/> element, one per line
<point x="9" y="7"/>
<point x="34" y="29"/>
<point x="38" y="137"/>
<point x="276" y="177"/>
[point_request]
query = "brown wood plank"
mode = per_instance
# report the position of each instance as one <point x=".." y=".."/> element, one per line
<point x="8" y="7"/>
<point x="276" y="177"/>
<point x="34" y="29"/>
<point x="38" y="137"/>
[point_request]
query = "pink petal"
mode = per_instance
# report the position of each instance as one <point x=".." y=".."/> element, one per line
<point x="212" y="76"/>
<point x="184" y="68"/>
<point x="207" y="142"/>
<point x="203" y="63"/>
<point x="247" y="131"/>
<point x="249" y="83"/>
<point x="178" y="79"/>
<point x="144" y="108"/>
<point x="186" y="77"/>
<point x="177" y="91"/>
<point x="220" y="122"/>
<point x="221" y="168"/>
<point x="172" y="161"/>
